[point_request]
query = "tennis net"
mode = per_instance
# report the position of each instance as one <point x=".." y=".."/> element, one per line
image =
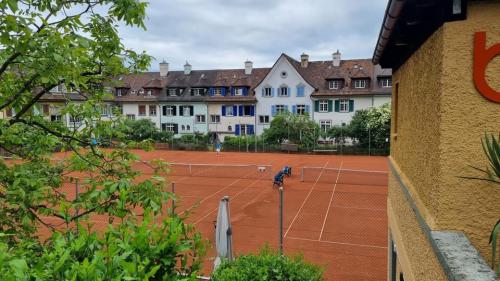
<point x="344" y="176"/>
<point x="241" y="171"/>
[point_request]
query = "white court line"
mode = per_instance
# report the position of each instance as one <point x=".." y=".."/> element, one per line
<point x="339" y="243"/>
<point x="305" y="200"/>
<point x="356" y="208"/>
<point x="331" y="200"/>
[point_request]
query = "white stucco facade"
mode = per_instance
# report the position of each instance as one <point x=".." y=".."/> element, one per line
<point x="187" y="122"/>
<point x="151" y="111"/>
<point x="283" y="74"/>
<point x="231" y="117"/>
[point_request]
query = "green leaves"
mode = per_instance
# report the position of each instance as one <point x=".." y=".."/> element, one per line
<point x="493" y="242"/>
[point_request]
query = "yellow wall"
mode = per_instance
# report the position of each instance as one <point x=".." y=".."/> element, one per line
<point x="441" y="119"/>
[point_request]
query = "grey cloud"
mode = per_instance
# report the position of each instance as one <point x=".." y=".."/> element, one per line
<point x="224" y="33"/>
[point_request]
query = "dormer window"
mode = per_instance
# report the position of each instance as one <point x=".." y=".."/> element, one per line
<point x="59" y="89"/>
<point x="335" y="84"/>
<point x="133" y="92"/>
<point x="172" y="92"/>
<point x="118" y="92"/>
<point x="386" y="82"/>
<point x="149" y="93"/>
<point x="197" y="91"/>
<point x="238" y="91"/>
<point x="141" y="92"/>
<point x="283" y="91"/>
<point x="218" y="91"/>
<point x="360" y="83"/>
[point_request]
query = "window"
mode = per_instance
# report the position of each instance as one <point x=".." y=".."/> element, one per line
<point x="149" y="93"/>
<point x="280" y="108"/>
<point x="142" y="110"/>
<point x="118" y="92"/>
<point x="183" y="128"/>
<point x="244" y="130"/>
<point x="248" y="110"/>
<point x="188" y="128"/>
<point x="334" y="84"/>
<point x="238" y="91"/>
<point x="119" y="109"/>
<point x="59" y="89"/>
<point x="131" y="116"/>
<point x="386" y="82"/>
<point x="172" y="92"/>
<point x="152" y="110"/>
<point x="215" y="118"/>
<point x="186" y="110"/>
<point x="218" y="91"/>
<point x="104" y="110"/>
<point x="283" y="74"/>
<point x="75" y="119"/>
<point x="344" y="105"/>
<point x="268" y="92"/>
<point x="301" y="109"/>
<point x="141" y="92"/>
<point x="323" y="106"/>
<point x="359" y="84"/>
<point x="55" y="118"/>
<point x="264" y="119"/>
<point x="200" y="118"/>
<point x="197" y="92"/>
<point x="283" y="91"/>
<point x="230" y="111"/>
<point x="169" y="110"/>
<point x="169" y="127"/>
<point x="229" y="128"/>
<point x="325" y="125"/>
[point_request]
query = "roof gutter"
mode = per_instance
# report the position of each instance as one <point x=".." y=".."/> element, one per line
<point x="392" y="14"/>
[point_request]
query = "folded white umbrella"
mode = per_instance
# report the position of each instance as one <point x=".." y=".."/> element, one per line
<point x="223" y="233"/>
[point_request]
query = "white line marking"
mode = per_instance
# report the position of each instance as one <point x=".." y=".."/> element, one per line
<point x="305" y="200"/>
<point x="331" y="200"/>
<point x="339" y="243"/>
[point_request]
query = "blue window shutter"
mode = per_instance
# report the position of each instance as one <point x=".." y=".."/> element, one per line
<point x="233" y="91"/>
<point x="308" y="108"/>
<point x="300" y="91"/>
<point x="223" y="110"/>
<point x="211" y="91"/>
<point x="273" y="110"/>
<point x="272" y="92"/>
<point x="294" y="109"/>
<point x="286" y="108"/>
<point x="245" y="91"/>
<point x="289" y="91"/>
<point x="237" y="130"/>
<point x="223" y="92"/>
<point x="235" y="110"/>
<point x="241" y="111"/>
<point x="250" y="129"/>
<point x="263" y="92"/>
<point x="252" y="110"/>
<point x="351" y="105"/>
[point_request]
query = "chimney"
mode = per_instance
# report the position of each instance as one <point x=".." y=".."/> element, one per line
<point x="248" y="67"/>
<point x="336" y="58"/>
<point x="304" y="60"/>
<point x="187" y="68"/>
<point x="163" y="68"/>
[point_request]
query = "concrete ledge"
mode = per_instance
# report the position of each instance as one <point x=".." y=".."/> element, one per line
<point x="459" y="258"/>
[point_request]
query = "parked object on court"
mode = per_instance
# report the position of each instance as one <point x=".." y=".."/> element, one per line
<point x="223" y="233"/>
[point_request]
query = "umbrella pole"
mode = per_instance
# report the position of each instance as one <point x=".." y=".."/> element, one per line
<point x="281" y="219"/>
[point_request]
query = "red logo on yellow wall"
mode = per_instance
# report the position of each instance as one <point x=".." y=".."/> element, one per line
<point x="482" y="57"/>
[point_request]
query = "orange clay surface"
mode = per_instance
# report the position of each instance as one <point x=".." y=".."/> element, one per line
<point x="341" y="227"/>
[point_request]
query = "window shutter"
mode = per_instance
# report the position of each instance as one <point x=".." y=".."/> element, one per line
<point x="176" y="128"/>
<point x="211" y="91"/>
<point x="273" y="110"/>
<point x="181" y="110"/>
<point x="337" y="105"/>
<point x="237" y="130"/>
<point x="351" y="105"/>
<point x="286" y="108"/>
<point x="245" y="91"/>
<point x="316" y="106"/>
<point x="252" y="110"/>
<point x="240" y="111"/>
<point x="191" y="109"/>
<point x="235" y="110"/>
<point x="174" y="110"/>
<point x="233" y="91"/>
<point x="164" y="110"/>
<point x="223" y="92"/>
<point x="263" y="92"/>
<point x="330" y="105"/>
<point x="289" y="91"/>
<point x="294" y="109"/>
<point x="300" y="91"/>
<point x="250" y="129"/>
<point x="272" y="92"/>
<point x="307" y="109"/>
<point x="223" y="110"/>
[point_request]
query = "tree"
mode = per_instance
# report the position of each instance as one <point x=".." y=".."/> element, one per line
<point x="371" y="126"/>
<point x="74" y="44"/>
<point x="298" y="129"/>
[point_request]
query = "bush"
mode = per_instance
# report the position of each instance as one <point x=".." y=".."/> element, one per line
<point x="267" y="265"/>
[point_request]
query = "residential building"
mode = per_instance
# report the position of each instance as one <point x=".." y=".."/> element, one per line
<point x="444" y="102"/>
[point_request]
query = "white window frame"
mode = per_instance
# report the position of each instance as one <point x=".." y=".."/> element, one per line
<point x="200" y="118"/>
<point x="172" y="92"/>
<point x="334" y="84"/>
<point x="280" y="108"/>
<point x="360" y="83"/>
<point x="229" y="110"/>
<point x="268" y="92"/>
<point x="386" y="82"/>
<point x="56" y="117"/>
<point x="283" y="89"/>
<point x="186" y="111"/>
<point x="229" y="128"/>
<point x="301" y="109"/>
<point x="323" y="106"/>
<point x="263" y="119"/>
<point x="215" y="118"/>
<point x="149" y="93"/>
<point x="151" y="106"/>
<point x="104" y="110"/>
<point x="238" y="91"/>
<point x="343" y="105"/>
<point x="197" y="91"/>
<point x="218" y="91"/>
<point x="170" y="110"/>
<point x="118" y="92"/>
<point x="169" y="127"/>
<point x="325" y="125"/>
<point x="243" y="129"/>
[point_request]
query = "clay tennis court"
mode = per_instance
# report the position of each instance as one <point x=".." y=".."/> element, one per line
<point x="338" y="225"/>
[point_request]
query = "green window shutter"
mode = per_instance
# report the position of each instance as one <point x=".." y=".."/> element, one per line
<point x="351" y="105"/>
<point x="316" y="105"/>
<point x="330" y="106"/>
<point x="337" y="106"/>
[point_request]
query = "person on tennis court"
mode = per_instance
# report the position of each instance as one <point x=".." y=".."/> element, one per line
<point x="218" y="147"/>
<point x="287" y="171"/>
<point x="278" y="179"/>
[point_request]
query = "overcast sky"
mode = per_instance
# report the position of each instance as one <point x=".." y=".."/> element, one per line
<point x="224" y="33"/>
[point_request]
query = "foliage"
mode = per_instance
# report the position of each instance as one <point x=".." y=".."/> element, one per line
<point x="370" y="126"/>
<point x="267" y="265"/>
<point x="491" y="148"/>
<point x="145" y="129"/>
<point x="74" y="44"/>
<point x="339" y="134"/>
<point x="298" y="129"/>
